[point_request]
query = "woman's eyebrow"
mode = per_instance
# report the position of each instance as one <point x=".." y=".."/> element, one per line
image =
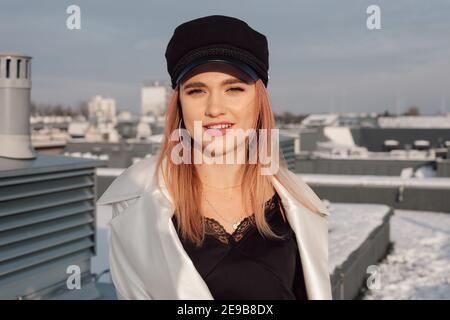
<point x="224" y="82"/>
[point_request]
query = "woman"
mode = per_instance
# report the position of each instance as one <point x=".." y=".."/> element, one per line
<point x="197" y="222"/>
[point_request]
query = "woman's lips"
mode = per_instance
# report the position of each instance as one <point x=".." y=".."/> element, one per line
<point x="217" y="132"/>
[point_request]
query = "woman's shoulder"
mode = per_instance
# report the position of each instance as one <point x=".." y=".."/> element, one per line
<point x="302" y="188"/>
<point x="130" y="183"/>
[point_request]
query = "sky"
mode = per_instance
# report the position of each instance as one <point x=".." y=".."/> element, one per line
<point x="322" y="56"/>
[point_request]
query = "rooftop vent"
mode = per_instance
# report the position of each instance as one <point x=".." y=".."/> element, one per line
<point x="15" y="87"/>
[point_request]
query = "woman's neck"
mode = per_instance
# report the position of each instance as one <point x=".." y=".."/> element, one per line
<point x="220" y="175"/>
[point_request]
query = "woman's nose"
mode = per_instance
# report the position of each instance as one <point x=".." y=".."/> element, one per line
<point x="215" y="105"/>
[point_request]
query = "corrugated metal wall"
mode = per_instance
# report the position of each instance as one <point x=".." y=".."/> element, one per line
<point x="47" y="222"/>
<point x="287" y="146"/>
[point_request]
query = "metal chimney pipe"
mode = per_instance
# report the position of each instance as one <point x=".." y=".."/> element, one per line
<point x="15" y="88"/>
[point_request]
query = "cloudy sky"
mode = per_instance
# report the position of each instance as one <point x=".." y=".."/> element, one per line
<point x="322" y="58"/>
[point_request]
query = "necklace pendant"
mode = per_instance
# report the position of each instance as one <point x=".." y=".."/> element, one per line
<point x="236" y="225"/>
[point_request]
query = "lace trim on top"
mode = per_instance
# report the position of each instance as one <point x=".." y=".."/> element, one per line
<point x="215" y="228"/>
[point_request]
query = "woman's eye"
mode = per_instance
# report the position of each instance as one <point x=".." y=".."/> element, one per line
<point x="199" y="91"/>
<point x="194" y="91"/>
<point x="236" y="89"/>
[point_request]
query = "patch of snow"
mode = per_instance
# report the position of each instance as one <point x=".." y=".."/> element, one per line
<point x="419" y="265"/>
<point x="425" y="172"/>
<point x="375" y="181"/>
<point x="100" y="262"/>
<point x="350" y="225"/>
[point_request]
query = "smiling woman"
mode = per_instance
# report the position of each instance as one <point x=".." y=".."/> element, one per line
<point x="222" y="97"/>
<point x="217" y="230"/>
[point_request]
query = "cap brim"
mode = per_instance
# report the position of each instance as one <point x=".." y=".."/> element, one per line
<point x="236" y="63"/>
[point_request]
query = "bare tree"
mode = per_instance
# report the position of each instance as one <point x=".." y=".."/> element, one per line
<point x="412" y="111"/>
<point x="83" y="109"/>
<point x="33" y="108"/>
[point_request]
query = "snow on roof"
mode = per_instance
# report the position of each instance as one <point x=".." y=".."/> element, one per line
<point x="327" y="150"/>
<point x="418" y="267"/>
<point x="320" y="119"/>
<point x="415" y="122"/>
<point x="350" y="225"/>
<point x="340" y="135"/>
<point x="157" y="138"/>
<point x="109" y="172"/>
<point x="78" y="128"/>
<point x="375" y="181"/>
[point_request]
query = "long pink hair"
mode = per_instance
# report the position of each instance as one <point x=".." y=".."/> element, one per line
<point x="185" y="188"/>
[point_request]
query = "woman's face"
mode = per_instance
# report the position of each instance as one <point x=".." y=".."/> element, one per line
<point x="215" y="93"/>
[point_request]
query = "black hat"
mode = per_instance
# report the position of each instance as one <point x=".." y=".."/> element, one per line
<point x="217" y="38"/>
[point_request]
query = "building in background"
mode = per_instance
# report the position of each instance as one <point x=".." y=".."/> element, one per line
<point x="154" y="98"/>
<point x="102" y="109"/>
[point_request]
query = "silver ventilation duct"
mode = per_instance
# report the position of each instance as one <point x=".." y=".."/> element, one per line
<point x="15" y="88"/>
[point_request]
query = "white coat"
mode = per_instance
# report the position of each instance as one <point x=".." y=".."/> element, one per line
<point x="148" y="261"/>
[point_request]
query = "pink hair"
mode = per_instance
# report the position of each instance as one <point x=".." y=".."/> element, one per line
<point x="178" y="176"/>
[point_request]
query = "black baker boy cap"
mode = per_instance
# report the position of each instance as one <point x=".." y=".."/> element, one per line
<point x="217" y="38"/>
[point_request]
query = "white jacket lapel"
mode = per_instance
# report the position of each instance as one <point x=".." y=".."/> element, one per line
<point x="311" y="231"/>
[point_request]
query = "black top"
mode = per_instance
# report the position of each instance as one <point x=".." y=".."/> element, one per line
<point x="245" y="265"/>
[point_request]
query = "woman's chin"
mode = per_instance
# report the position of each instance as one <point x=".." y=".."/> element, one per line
<point x="227" y="154"/>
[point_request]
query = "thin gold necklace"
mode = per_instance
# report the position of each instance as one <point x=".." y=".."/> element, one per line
<point x="235" y="224"/>
<point x="222" y="188"/>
